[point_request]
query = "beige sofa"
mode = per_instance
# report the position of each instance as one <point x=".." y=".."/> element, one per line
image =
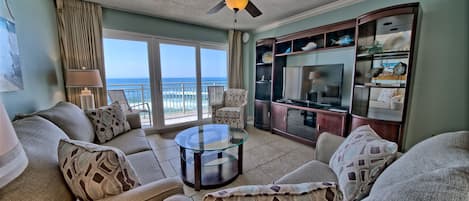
<point x="40" y="133"/>
<point x="435" y="169"/>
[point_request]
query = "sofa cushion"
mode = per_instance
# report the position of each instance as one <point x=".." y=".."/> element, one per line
<point x="313" y="171"/>
<point x="42" y="179"/>
<point x="229" y="112"/>
<point x="146" y="166"/>
<point x="71" y="119"/>
<point x="436" y="168"/>
<point x="130" y="142"/>
<point x="318" y="191"/>
<point x="94" y="172"/>
<point x="108" y="121"/>
<point x="359" y="160"/>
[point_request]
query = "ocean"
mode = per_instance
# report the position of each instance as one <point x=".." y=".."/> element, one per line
<point x="179" y="94"/>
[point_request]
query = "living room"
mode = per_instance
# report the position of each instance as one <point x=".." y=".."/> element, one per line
<point x="155" y="36"/>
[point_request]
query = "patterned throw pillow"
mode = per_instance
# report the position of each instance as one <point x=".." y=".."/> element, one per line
<point x="317" y="191"/>
<point x="359" y="160"/>
<point x="94" y="172"/>
<point x="108" y="121"/>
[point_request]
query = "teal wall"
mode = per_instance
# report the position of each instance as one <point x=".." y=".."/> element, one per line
<point x="38" y="43"/>
<point x="124" y="21"/>
<point x="440" y="93"/>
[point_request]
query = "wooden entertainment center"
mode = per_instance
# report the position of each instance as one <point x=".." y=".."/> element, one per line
<point x="384" y="48"/>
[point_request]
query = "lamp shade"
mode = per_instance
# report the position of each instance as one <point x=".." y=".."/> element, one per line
<point x="236" y="5"/>
<point x="314" y="75"/>
<point x="13" y="159"/>
<point x="83" y="78"/>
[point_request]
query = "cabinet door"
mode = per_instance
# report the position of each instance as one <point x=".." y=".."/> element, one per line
<point x="330" y="123"/>
<point x="279" y="117"/>
<point x="387" y="130"/>
<point x="262" y="114"/>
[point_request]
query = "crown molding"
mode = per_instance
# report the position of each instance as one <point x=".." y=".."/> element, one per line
<point x="310" y="13"/>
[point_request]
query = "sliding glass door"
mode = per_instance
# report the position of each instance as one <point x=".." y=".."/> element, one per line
<point x="127" y="74"/>
<point x="166" y="79"/>
<point x="213" y="73"/>
<point x="178" y="83"/>
<point x="186" y="72"/>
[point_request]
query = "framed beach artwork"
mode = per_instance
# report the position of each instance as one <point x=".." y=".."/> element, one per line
<point x="11" y="78"/>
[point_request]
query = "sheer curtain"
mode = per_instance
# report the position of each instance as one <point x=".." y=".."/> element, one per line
<point x="235" y="59"/>
<point x="80" y="39"/>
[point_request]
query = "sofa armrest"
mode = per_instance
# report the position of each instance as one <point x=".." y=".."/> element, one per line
<point x="154" y="191"/>
<point x="326" y="145"/>
<point x="134" y="120"/>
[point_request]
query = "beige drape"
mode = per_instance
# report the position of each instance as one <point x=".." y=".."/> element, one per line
<point x="80" y="40"/>
<point x="235" y="60"/>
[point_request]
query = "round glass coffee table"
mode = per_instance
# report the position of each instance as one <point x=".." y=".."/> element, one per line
<point x="209" y="158"/>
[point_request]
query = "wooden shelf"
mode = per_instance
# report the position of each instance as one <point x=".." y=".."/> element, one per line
<point x="384" y="55"/>
<point x="263" y="64"/>
<point x="314" y="50"/>
<point x="381" y="27"/>
<point x="378" y="86"/>
<point x="263" y="81"/>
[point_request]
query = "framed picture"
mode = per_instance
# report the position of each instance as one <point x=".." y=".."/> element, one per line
<point x="11" y="78"/>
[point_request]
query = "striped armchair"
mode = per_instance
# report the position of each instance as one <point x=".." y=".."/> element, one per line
<point x="231" y="110"/>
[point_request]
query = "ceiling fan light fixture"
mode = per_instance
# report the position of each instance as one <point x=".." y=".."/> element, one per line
<point x="237" y="5"/>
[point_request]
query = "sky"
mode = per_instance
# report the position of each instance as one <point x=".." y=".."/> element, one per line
<point x="129" y="59"/>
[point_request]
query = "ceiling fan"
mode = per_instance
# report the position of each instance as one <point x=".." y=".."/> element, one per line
<point x="237" y="5"/>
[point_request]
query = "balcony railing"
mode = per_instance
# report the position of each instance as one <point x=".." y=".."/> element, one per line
<point x="179" y="98"/>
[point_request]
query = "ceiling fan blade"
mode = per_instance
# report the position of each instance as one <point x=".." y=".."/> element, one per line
<point x="253" y="10"/>
<point x="217" y="7"/>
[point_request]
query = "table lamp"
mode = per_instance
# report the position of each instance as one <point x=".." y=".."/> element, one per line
<point x="13" y="159"/>
<point x="83" y="79"/>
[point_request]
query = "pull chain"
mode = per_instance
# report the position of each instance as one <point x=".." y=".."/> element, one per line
<point x="235" y="16"/>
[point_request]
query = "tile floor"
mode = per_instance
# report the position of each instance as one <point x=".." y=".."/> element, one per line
<point x="267" y="157"/>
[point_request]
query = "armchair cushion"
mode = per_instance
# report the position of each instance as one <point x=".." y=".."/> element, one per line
<point x="229" y="112"/>
<point x="319" y="191"/>
<point x="235" y="97"/>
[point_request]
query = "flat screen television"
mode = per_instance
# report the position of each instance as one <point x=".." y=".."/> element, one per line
<point x="320" y="84"/>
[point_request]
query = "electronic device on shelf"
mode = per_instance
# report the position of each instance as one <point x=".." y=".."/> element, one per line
<point x="320" y="84"/>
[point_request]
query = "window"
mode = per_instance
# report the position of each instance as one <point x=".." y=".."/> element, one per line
<point x="171" y="76"/>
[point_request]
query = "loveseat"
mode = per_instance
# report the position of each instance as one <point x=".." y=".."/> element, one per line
<point x="434" y="169"/>
<point x="40" y="134"/>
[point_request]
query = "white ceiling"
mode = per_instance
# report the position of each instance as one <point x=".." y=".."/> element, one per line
<point x="194" y="11"/>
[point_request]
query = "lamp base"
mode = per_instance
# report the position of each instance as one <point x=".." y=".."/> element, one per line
<point x="87" y="100"/>
<point x="12" y="165"/>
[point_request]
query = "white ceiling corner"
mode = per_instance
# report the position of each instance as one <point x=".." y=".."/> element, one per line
<point x="307" y="14"/>
<point x="275" y="12"/>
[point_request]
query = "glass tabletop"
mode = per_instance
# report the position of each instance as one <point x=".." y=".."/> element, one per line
<point x="211" y="137"/>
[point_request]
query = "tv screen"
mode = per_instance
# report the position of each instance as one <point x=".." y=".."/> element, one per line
<point x="319" y="84"/>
